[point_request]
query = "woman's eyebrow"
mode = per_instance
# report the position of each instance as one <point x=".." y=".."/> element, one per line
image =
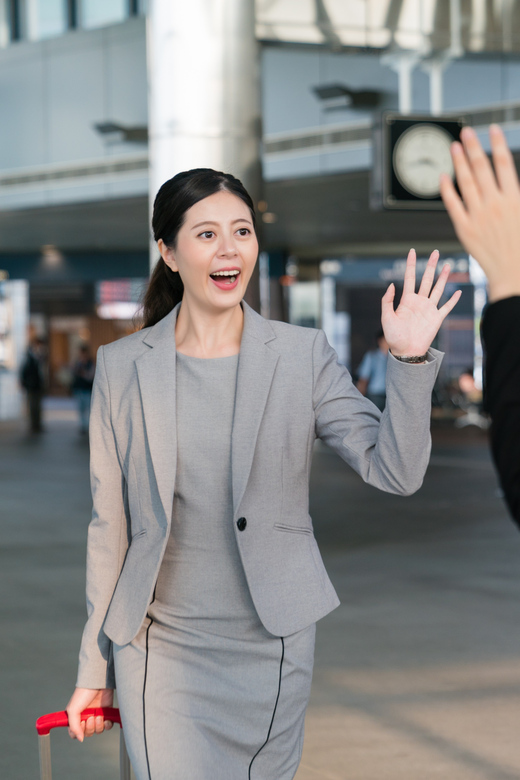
<point x="209" y="222"/>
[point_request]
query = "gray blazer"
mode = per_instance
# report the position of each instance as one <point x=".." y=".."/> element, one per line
<point x="290" y="390"/>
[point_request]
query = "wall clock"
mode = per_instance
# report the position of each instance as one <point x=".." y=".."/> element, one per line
<point x="410" y="154"/>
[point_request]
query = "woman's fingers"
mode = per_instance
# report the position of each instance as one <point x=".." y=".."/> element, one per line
<point x="429" y="274"/>
<point x="409" y="274"/>
<point x="387" y="302"/>
<point x="481" y="167"/>
<point x="76" y="728"/>
<point x="90" y="726"/>
<point x="82" y="699"/>
<point x="438" y="290"/>
<point x="95" y="725"/>
<point x="503" y="162"/>
<point x="450" y="304"/>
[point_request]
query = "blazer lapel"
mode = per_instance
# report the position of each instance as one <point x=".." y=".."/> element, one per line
<point x="156" y="372"/>
<point x="256" y="366"/>
<point x="157" y="377"/>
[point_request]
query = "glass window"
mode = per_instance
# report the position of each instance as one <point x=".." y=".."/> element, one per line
<point x="96" y="13"/>
<point x="45" y="18"/>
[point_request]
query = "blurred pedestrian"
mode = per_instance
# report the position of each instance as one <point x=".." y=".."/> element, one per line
<point x="487" y="221"/>
<point x="204" y="579"/>
<point x="372" y="372"/>
<point x="469" y="399"/>
<point x="33" y="381"/>
<point x="82" y="381"/>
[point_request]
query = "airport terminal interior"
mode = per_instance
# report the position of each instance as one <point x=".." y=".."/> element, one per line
<point x="338" y="117"/>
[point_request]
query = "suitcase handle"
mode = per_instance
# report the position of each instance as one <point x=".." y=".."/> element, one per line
<point x="60" y="719"/>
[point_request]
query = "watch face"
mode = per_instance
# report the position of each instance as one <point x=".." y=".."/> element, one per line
<point x="420" y="155"/>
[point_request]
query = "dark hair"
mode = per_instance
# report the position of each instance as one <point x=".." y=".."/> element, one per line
<point x="175" y="197"/>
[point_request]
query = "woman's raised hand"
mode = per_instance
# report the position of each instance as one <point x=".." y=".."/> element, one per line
<point x="411" y="328"/>
<point x="487" y="218"/>
<point x="81" y="699"/>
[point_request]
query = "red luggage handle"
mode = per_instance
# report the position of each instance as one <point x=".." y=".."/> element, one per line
<point x="60" y="719"/>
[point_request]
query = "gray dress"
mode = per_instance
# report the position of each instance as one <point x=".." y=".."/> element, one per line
<point x="204" y="690"/>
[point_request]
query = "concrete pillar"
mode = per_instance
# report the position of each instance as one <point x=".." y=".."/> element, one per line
<point x="204" y="90"/>
<point x="403" y="63"/>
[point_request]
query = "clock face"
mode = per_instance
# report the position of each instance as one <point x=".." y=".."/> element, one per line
<point x="420" y="155"/>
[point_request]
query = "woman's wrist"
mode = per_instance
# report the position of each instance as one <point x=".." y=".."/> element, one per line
<point x="410" y="357"/>
<point x="416" y="360"/>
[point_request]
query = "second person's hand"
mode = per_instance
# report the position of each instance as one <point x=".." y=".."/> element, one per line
<point x="487" y="217"/>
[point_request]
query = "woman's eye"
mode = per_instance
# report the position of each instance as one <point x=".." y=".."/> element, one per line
<point x="207" y="234"/>
<point x="244" y="232"/>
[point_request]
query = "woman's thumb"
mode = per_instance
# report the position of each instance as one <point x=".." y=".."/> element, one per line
<point x="387" y="301"/>
<point x="75" y="726"/>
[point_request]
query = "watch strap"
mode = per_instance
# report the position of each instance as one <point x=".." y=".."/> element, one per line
<point x="411" y="358"/>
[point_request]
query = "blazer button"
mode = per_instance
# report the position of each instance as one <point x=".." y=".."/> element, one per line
<point x="241" y="523"/>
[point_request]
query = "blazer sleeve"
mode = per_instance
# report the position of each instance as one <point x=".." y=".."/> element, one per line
<point x="107" y="536"/>
<point x="389" y="450"/>
<point x="501" y="339"/>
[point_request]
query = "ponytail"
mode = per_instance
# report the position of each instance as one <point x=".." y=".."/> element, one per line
<point x="163" y="293"/>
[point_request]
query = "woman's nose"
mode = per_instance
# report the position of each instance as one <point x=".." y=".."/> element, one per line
<point x="227" y="247"/>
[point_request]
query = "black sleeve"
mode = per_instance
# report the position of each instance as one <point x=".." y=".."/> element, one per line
<point x="501" y="340"/>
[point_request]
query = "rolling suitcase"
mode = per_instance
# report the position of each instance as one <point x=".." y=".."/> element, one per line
<point x="60" y="720"/>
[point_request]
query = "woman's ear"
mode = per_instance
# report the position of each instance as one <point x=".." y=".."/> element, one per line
<point x="167" y="255"/>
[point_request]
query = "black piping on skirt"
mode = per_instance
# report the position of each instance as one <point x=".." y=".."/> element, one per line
<point x="274" y="710"/>
<point x="272" y="717"/>
<point x="144" y="702"/>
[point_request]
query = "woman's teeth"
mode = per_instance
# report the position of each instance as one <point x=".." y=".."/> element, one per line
<point x="229" y="275"/>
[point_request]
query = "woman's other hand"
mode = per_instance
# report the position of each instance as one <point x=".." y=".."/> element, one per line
<point x="487" y="218"/>
<point x="411" y="328"/>
<point x="81" y="699"/>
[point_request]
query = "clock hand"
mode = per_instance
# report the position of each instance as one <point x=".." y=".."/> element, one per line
<point x="423" y="161"/>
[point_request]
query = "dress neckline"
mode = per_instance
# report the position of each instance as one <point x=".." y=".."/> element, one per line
<point x="192" y="357"/>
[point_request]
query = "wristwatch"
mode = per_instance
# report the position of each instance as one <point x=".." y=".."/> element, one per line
<point x="411" y="359"/>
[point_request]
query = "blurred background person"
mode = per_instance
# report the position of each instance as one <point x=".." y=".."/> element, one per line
<point x="487" y="221"/>
<point x="82" y="381"/>
<point x="33" y="381"/>
<point x="468" y="397"/>
<point x="372" y="372"/>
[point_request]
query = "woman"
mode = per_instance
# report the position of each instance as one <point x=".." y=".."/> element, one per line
<point x="204" y="580"/>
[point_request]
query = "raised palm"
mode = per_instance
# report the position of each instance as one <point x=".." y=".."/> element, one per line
<point x="411" y="328"/>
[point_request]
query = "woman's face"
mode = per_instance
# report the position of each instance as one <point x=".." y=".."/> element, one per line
<point x="215" y="252"/>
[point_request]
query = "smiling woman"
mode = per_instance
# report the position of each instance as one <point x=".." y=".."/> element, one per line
<point x="214" y="252"/>
<point x="204" y="225"/>
<point x="204" y="580"/>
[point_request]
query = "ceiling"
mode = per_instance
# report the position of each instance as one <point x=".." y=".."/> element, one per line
<point x="329" y="216"/>
<point x="477" y="26"/>
<point x="315" y="217"/>
<point x="104" y="225"/>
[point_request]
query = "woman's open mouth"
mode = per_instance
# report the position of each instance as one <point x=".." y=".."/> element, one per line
<point x="226" y="280"/>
